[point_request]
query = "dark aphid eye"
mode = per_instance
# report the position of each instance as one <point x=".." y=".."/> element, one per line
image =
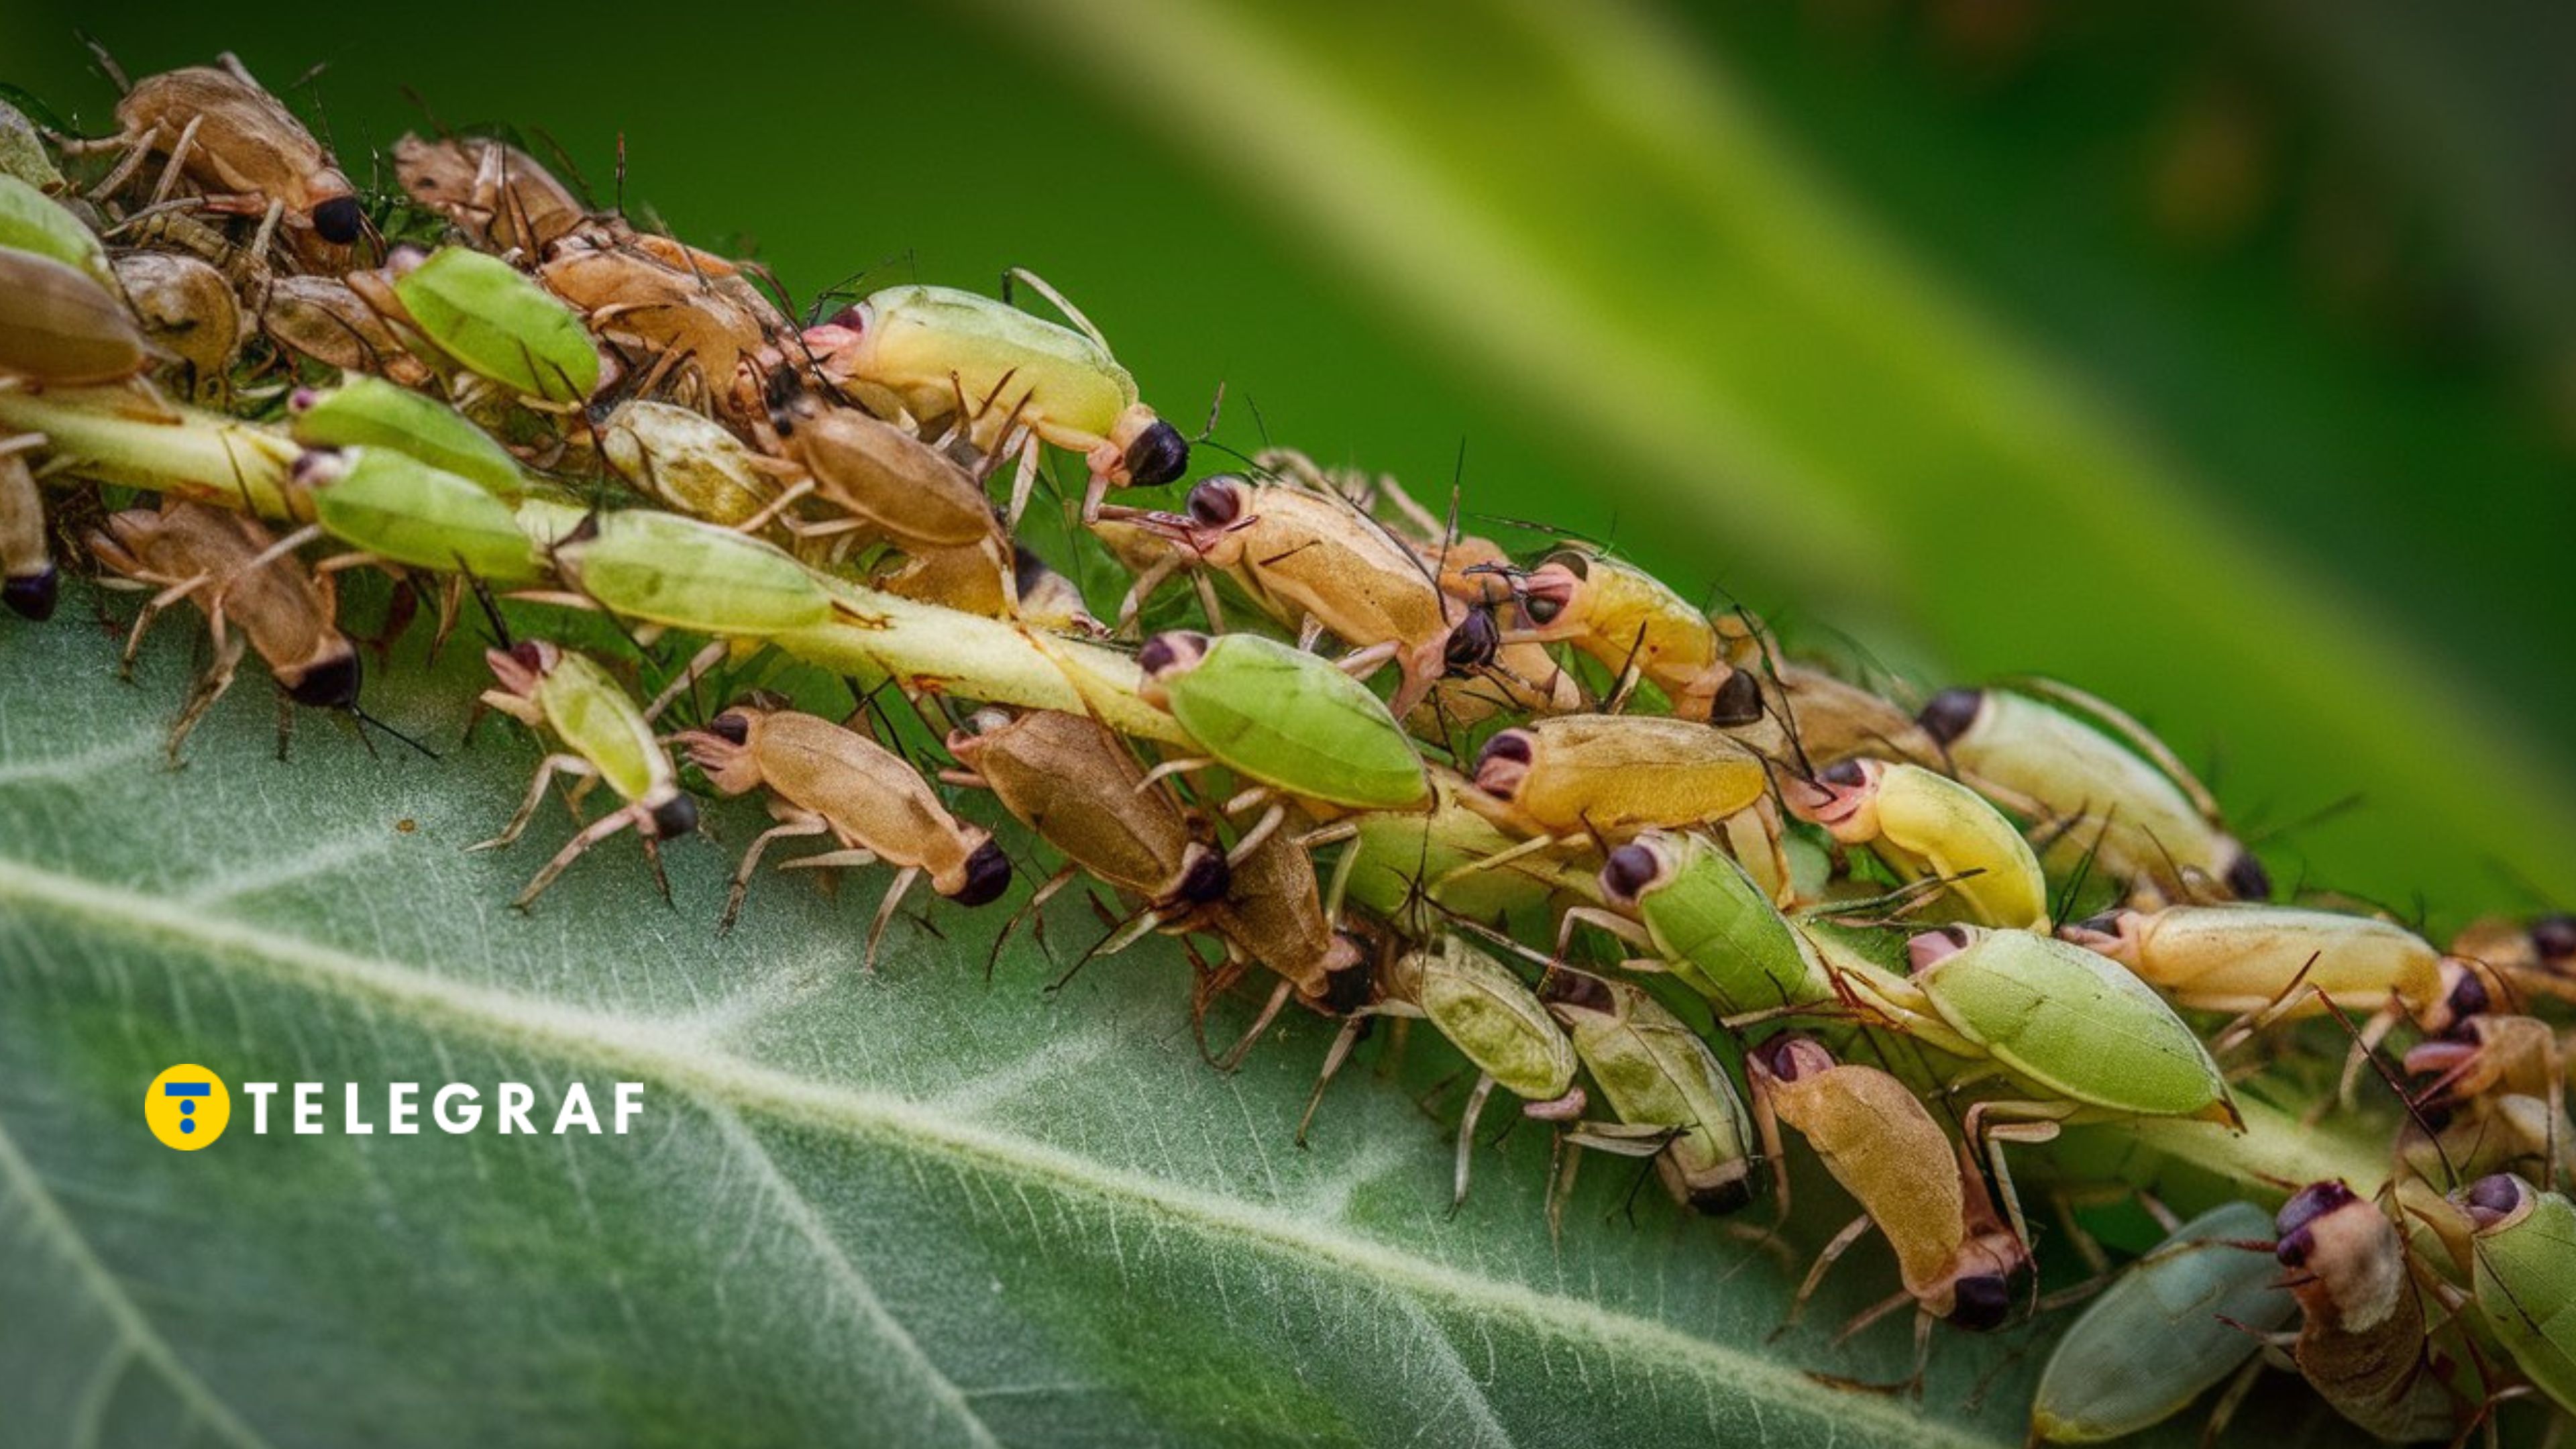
<point x="1981" y="1302"/>
<point x="1846" y="773"/>
<point x="32" y="596"/>
<point x="2469" y="998"/>
<point x="530" y="655"/>
<point x="332" y="684"/>
<point x="1473" y="642"/>
<point x="2553" y="939"/>
<point x="1512" y="745"/>
<point x="2247" y="880"/>
<point x="2304" y="1207"/>
<point x="854" y="317"/>
<point x="675" y="817"/>
<point x="1159" y="455"/>
<point x="1783" y="1056"/>
<point x="1717" y="1199"/>
<point x="1630" y="869"/>
<point x="1950" y="714"/>
<point x="1206" y="879"/>
<point x="2496" y="1196"/>
<point x="988" y="874"/>
<point x="732" y="727"/>
<point x="1576" y="988"/>
<point x="1027" y="569"/>
<point x="338" y="220"/>
<point x="1542" y="609"/>
<point x="1738" y="701"/>
<point x="1216" y="502"/>
<point x="1166" y="652"/>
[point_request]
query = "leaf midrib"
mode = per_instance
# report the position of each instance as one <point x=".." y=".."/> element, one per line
<point x="685" y="1062"/>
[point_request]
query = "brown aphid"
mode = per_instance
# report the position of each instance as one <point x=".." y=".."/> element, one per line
<point x="881" y="477"/>
<point x="247" y="154"/>
<point x="2361" y="1339"/>
<point x="681" y="313"/>
<point x="187" y="310"/>
<point x="325" y="319"/>
<point x="60" y="328"/>
<point x="827" y="780"/>
<point x="1076" y="783"/>
<point x="227" y="564"/>
<point x="493" y="192"/>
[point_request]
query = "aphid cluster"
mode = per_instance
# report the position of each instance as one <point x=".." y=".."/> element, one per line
<point x="1684" y="897"/>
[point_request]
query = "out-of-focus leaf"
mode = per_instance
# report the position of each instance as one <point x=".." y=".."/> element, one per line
<point x="1776" y="373"/>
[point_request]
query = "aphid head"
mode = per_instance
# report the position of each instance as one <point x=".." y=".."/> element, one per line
<point x="1152" y="451"/>
<point x="723" y="750"/>
<point x="1577" y="991"/>
<point x="2553" y="941"/>
<point x="1174" y="652"/>
<point x="523" y="665"/>
<point x="1217" y="504"/>
<point x="733" y="727"/>
<point x="1724" y="1195"/>
<point x="1791" y="1057"/>
<point x="330" y="683"/>
<point x="2465" y="998"/>
<point x="1981" y="1302"/>
<point x="1951" y="713"/>
<point x="674" y="816"/>
<point x="1205" y="876"/>
<point x="338" y="220"/>
<point x="1933" y="947"/>
<point x="1636" y="868"/>
<point x="2496" y="1202"/>
<point x="1737" y="702"/>
<point x="1473" y="641"/>
<point x="1504" y="763"/>
<point x="2299" y="1217"/>
<point x="1349" y="984"/>
<point x="1843" y="798"/>
<point x="988" y="874"/>
<point x="317" y="467"/>
<point x="32" y="595"/>
<point x="1547" y="591"/>
<point x="2114" y="933"/>
<point x="2246" y="878"/>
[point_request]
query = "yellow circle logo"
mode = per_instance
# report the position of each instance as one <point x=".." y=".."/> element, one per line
<point x="187" y="1107"/>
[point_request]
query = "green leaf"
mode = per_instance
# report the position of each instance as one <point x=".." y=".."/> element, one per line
<point x="1584" y="207"/>
<point x="919" y="1207"/>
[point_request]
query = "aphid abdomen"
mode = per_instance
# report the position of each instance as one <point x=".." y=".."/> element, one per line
<point x="596" y="720"/>
<point x="873" y="799"/>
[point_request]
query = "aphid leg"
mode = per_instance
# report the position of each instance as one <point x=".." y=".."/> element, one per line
<point x="786" y="498"/>
<point x="138" y="149"/>
<point x="797" y="825"/>
<point x="1840" y="1245"/>
<point x="1499" y="859"/>
<point x="2021" y="1122"/>
<point x="2230" y="1400"/>
<point x="1308" y="633"/>
<point x="210" y="687"/>
<point x="597" y="831"/>
<point x="1270" y="1009"/>
<point x="1269" y="821"/>
<point x="698" y="666"/>
<point x="1208" y="605"/>
<point x="547" y="769"/>
<point x="1467" y="1137"/>
<point x="1339" y="885"/>
<point x="885" y="912"/>
<point x="152" y="608"/>
<point x="178" y="158"/>
<point x="1353" y="1026"/>
<point x="2373" y="1032"/>
<point x="267" y="233"/>
<point x="1024" y="479"/>
<point x="1170" y="768"/>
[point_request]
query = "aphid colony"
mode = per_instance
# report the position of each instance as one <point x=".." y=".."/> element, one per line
<point x="1681" y="897"/>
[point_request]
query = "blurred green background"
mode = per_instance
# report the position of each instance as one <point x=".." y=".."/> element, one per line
<point x="2218" y="357"/>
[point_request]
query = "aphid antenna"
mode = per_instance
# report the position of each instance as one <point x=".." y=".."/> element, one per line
<point x="366" y="719"/>
<point x="2314" y="818"/>
<point x="1216" y="409"/>
<point x="106" y="62"/>
<point x="500" y="633"/>
<point x="2063" y="908"/>
<point x="2388" y="1076"/>
<point x="618" y="206"/>
<point x="1552" y="530"/>
<point x="1786" y="713"/>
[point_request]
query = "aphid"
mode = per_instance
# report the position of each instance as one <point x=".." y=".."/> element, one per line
<point x="1047" y="599"/>
<point x="2496" y="1101"/>
<point x="1706" y="921"/>
<point x="680" y="314"/>
<point x="230" y="137"/>
<point x="917" y="349"/>
<point x="2284" y="962"/>
<point x="1275" y="916"/>
<point x="369" y="412"/>
<point x="1410" y="866"/>
<point x="1634" y="624"/>
<point x="2361" y="1339"/>
<point x="1285" y="718"/>
<point x="1573" y="778"/>
<point x="1076" y="783"/>
<point x="187" y="310"/>
<point x="1313" y="561"/>
<point x="395" y="508"/>
<point x="2536" y="955"/>
<point x="60" y="328"/>
<point x="2087" y="1034"/>
<point x="688" y="461"/>
<point x="251" y="594"/>
<point x="661" y="568"/>
<point x="881" y="477"/>
<point x="604" y="737"/>
<point x="490" y="318"/>
<point x="2522" y="1248"/>
<point x="1492" y="1018"/>
<point x="494" y="193"/>
<point x="325" y="319"/>
<point x="1961" y="1261"/>
<point x="29" y="584"/>
<point x="1928" y="826"/>
<point x="31" y="221"/>
<point x="1674" y="1098"/>
<point x="826" y="780"/>
<point x="2174" y="1323"/>
<point x="2120" y="794"/>
<point x="22" y="151"/>
<point x="1837" y="721"/>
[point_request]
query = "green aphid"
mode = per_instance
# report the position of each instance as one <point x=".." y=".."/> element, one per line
<point x="1675" y="1100"/>
<point x="488" y="316"/>
<point x="2176" y="1322"/>
<point x="661" y="568"/>
<point x="1706" y="922"/>
<point x="399" y="509"/>
<point x="31" y="221"/>
<point x="2523" y="1272"/>
<point x="1286" y="718"/>
<point x="369" y="412"/>
<point x="1411" y="866"/>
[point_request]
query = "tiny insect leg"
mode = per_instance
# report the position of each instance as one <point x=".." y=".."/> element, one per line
<point x="598" y="830"/>
<point x="547" y="769"/>
<point x="210" y="687"/>
<point x="801" y="824"/>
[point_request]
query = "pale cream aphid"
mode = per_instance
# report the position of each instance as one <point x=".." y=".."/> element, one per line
<point x="689" y="461"/>
<point x="247" y="154"/>
<point x="1317" y="563"/>
<point x="605" y="737"/>
<point x="2090" y="778"/>
<point x="1927" y="826"/>
<point x="493" y="192"/>
<point x="1961" y="1261"/>
<point x="188" y="311"/>
<point x="1583" y="780"/>
<point x="29" y="584"/>
<point x="1674" y="1100"/>
<point x="1637" y="627"/>
<point x="252" y="595"/>
<point x="823" y="779"/>
<point x="916" y="350"/>
<point x="2495" y="1101"/>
